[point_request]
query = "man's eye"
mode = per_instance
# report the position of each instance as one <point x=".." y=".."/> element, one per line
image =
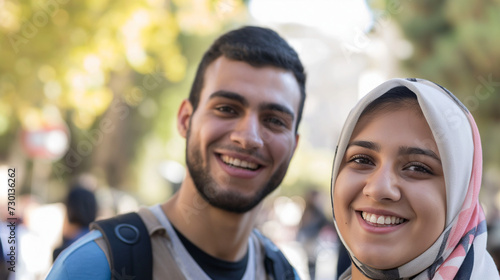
<point x="225" y="109"/>
<point x="275" y="121"/>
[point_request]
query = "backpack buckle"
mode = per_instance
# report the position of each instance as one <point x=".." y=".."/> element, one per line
<point x="127" y="233"/>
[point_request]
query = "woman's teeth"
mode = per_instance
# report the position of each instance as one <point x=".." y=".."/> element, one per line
<point x="381" y="220"/>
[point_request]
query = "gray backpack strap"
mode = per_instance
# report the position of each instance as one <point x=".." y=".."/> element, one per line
<point x="275" y="262"/>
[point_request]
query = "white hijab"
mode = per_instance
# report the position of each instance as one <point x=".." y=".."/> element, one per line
<point x="460" y="251"/>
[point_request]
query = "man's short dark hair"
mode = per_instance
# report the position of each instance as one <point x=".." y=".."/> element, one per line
<point x="258" y="47"/>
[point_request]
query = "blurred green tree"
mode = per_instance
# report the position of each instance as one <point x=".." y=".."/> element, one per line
<point x="455" y="44"/>
<point x="111" y="71"/>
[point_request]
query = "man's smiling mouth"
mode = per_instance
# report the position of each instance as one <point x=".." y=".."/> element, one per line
<point x="235" y="162"/>
<point x="381" y="220"/>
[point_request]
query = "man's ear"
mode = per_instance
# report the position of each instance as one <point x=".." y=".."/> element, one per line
<point x="184" y="117"/>
<point x="297" y="137"/>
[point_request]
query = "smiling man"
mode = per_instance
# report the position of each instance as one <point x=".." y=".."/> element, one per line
<point x="240" y="123"/>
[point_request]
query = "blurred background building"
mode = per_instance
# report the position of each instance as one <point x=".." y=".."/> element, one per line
<point x="91" y="88"/>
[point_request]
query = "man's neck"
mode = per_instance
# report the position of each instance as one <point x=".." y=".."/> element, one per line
<point x="217" y="232"/>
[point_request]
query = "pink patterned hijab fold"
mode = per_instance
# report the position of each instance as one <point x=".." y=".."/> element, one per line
<point x="460" y="251"/>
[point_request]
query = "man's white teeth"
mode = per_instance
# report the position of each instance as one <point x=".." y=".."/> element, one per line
<point x="239" y="163"/>
<point x="381" y="220"/>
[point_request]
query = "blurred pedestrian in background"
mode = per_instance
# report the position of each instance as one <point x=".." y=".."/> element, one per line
<point x="81" y="210"/>
<point x="312" y="222"/>
<point x="4" y="271"/>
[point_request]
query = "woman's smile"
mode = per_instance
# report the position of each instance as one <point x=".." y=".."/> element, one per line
<point x="381" y="220"/>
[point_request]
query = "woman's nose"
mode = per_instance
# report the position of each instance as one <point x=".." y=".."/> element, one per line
<point x="383" y="185"/>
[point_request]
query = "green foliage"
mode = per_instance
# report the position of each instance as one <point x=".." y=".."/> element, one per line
<point x="94" y="62"/>
<point x="456" y="45"/>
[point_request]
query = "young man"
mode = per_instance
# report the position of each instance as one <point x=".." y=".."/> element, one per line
<point x="240" y="124"/>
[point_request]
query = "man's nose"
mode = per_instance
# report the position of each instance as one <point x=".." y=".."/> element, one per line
<point x="248" y="133"/>
<point x="383" y="185"/>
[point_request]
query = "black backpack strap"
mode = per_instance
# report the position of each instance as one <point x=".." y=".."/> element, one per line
<point x="129" y="246"/>
<point x="275" y="262"/>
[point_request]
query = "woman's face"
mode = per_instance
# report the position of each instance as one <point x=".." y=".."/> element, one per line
<point x="390" y="196"/>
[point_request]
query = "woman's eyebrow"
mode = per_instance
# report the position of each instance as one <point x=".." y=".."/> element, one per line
<point x="418" y="151"/>
<point x="365" y="144"/>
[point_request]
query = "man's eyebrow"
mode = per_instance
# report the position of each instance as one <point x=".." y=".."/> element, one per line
<point x="277" y="107"/>
<point x="365" y="144"/>
<point x="418" y="151"/>
<point x="229" y="95"/>
<point x="239" y="98"/>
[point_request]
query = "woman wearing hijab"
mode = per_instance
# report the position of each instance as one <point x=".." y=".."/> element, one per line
<point x="405" y="185"/>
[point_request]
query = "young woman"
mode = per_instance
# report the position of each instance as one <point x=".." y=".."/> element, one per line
<point x="405" y="185"/>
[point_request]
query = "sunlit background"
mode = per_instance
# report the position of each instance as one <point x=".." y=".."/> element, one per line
<point x="90" y="89"/>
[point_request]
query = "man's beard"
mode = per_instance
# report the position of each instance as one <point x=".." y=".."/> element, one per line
<point x="230" y="200"/>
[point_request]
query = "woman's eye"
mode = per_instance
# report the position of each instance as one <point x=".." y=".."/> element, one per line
<point x="360" y="159"/>
<point x="419" y="167"/>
